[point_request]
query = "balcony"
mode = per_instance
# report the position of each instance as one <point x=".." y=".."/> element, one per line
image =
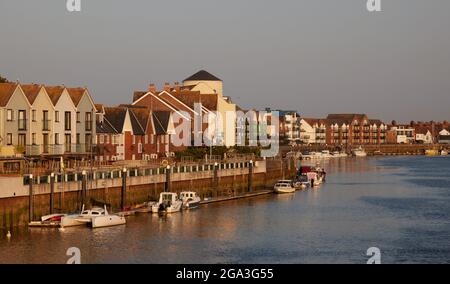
<point x="48" y="149"/>
<point x="22" y="125"/>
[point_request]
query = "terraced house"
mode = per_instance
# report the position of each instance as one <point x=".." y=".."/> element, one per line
<point x="38" y="120"/>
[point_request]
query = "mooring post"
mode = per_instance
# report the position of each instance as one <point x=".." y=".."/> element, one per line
<point x="216" y="176"/>
<point x="30" y="200"/>
<point x="167" y="185"/>
<point x="250" y="176"/>
<point x="123" y="194"/>
<point x="83" y="188"/>
<point x="52" y="192"/>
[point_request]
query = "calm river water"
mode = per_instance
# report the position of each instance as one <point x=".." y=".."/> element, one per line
<point x="399" y="204"/>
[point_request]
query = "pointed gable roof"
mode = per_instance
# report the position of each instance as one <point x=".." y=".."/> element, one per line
<point x="139" y="119"/>
<point x="202" y="75"/>
<point x="54" y="92"/>
<point x="31" y="91"/>
<point x="161" y="120"/>
<point x="76" y="94"/>
<point x="116" y="116"/>
<point x="105" y="127"/>
<point x="6" y="91"/>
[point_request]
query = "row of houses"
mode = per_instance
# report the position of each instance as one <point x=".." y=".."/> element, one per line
<point x="359" y="129"/>
<point x="40" y="120"/>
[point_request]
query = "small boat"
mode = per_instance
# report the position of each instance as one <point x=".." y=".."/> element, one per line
<point x="301" y="182"/>
<point x="444" y="153"/>
<point x="314" y="179"/>
<point x="337" y="154"/>
<point x="325" y="154"/>
<point x="107" y="220"/>
<point x="359" y="152"/>
<point x="168" y="203"/>
<point x="284" y="186"/>
<point x="146" y="208"/>
<point x="52" y="217"/>
<point x="190" y="199"/>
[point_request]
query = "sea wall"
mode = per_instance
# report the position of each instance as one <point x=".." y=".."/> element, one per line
<point x="142" y="185"/>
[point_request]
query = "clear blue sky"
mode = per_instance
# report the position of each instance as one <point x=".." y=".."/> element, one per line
<point x="317" y="56"/>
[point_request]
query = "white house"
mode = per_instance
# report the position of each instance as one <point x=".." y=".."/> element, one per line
<point x="444" y="137"/>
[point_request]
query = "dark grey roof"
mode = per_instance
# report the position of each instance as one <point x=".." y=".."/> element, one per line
<point x="202" y="75"/>
<point x="105" y="127"/>
<point x="138" y="129"/>
<point x="116" y="116"/>
<point x="161" y="121"/>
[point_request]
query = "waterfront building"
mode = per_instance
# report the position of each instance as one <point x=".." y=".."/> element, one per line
<point x="85" y="119"/>
<point x="14" y="122"/>
<point x="313" y="131"/>
<point x="64" y="130"/>
<point x="444" y="136"/>
<point x="423" y="135"/>
<point x="108" y="138"/>
<point x="289" y="125"/>
<point x="405" y="134"/>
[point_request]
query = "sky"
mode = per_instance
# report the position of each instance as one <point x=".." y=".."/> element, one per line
<point x="314" y="56"/>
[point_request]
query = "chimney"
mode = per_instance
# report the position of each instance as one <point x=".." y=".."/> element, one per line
<point x="177" y="86"/>
<point x="152" y="88"/>
<point x="167" y="87"/>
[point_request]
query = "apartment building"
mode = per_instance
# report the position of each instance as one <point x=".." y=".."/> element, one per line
<point x="405" y="134"/>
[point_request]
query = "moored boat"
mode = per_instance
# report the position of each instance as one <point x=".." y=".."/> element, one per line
<point x="168" y="203"/>
<point x="359" y="152"/>
<point x="107" y="220"/>
<point x="190" y="199"/>
<point x="284" y="186"/>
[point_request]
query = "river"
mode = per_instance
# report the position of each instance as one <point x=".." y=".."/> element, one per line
<point x="400" y="205"/>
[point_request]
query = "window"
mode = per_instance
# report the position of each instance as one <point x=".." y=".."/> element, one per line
<point x="102" y="140"/>
<point x="107" y="139"/>
<point x="68" y="142"/>
<point x="67" y="121"/>
<point x="88" y="121"/>
<point x="56" y="138"/>
<point x="33" y="138"/>
<point x="45" y="121"/>
<point x="140" y="148"/>
<point x="22" y="120"/>
<point x="78" y="138"/>
<point x="146" y="139"/>
<point x="56" y="116"/>
<point x="33" y="115"/>
<point x="134" y="139"/>
<point x="78" y="117"/>
<point x="9" y="115"/>
<point x="22" y="140"/>
<point x="152" y="138"/>
<point x="9" y="139"/>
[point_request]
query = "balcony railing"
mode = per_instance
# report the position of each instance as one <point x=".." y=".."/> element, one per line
<point x="22" y="124"/>
<point x="48" y="149"/>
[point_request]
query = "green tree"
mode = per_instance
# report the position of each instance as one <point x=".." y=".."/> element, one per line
<point x="3" y="80"/>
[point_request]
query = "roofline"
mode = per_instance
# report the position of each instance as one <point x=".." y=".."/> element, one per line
<point x="165" y="103"/>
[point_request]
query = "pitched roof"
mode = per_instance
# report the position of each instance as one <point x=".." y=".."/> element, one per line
<point x="161" y="121"/>
<point x="6" y="91"/>
<point x="54" y="92"/>
<point x="105" y="127"/>
<point x="313" y="121"/>
<point x="189" y="98"/>
<point x="139" y="119"/>
<point x="99" y="107"/>
<point x="346" y="118"/>
<point x="138" y="94"/>
<point x="116" y="116"/>
<point x="76" y="94"/>
<point x="202" y="75"/>
<point x="31" y="91"/>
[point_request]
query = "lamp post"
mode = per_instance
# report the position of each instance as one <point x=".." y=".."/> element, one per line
<point x="52" y="191"/>
<point x="167" y="185"/>
<point x="30" y="199"/>
<point x="83" y="188"/>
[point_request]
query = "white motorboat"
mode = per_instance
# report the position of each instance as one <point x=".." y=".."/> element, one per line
<point x="190" y="199"/>
<point x="284" y="186"/>
<point x="107" y="220"/>
<point x="301" y="182"/>
<point x="52" y="217"/>
<point x="325" y="154"/>
<point x="168" y="203"/>
<point x="359" y="152"/>
<point x="314" y="179"/>
<point x="338" y="154"/>
<point x="444" y="153"/>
